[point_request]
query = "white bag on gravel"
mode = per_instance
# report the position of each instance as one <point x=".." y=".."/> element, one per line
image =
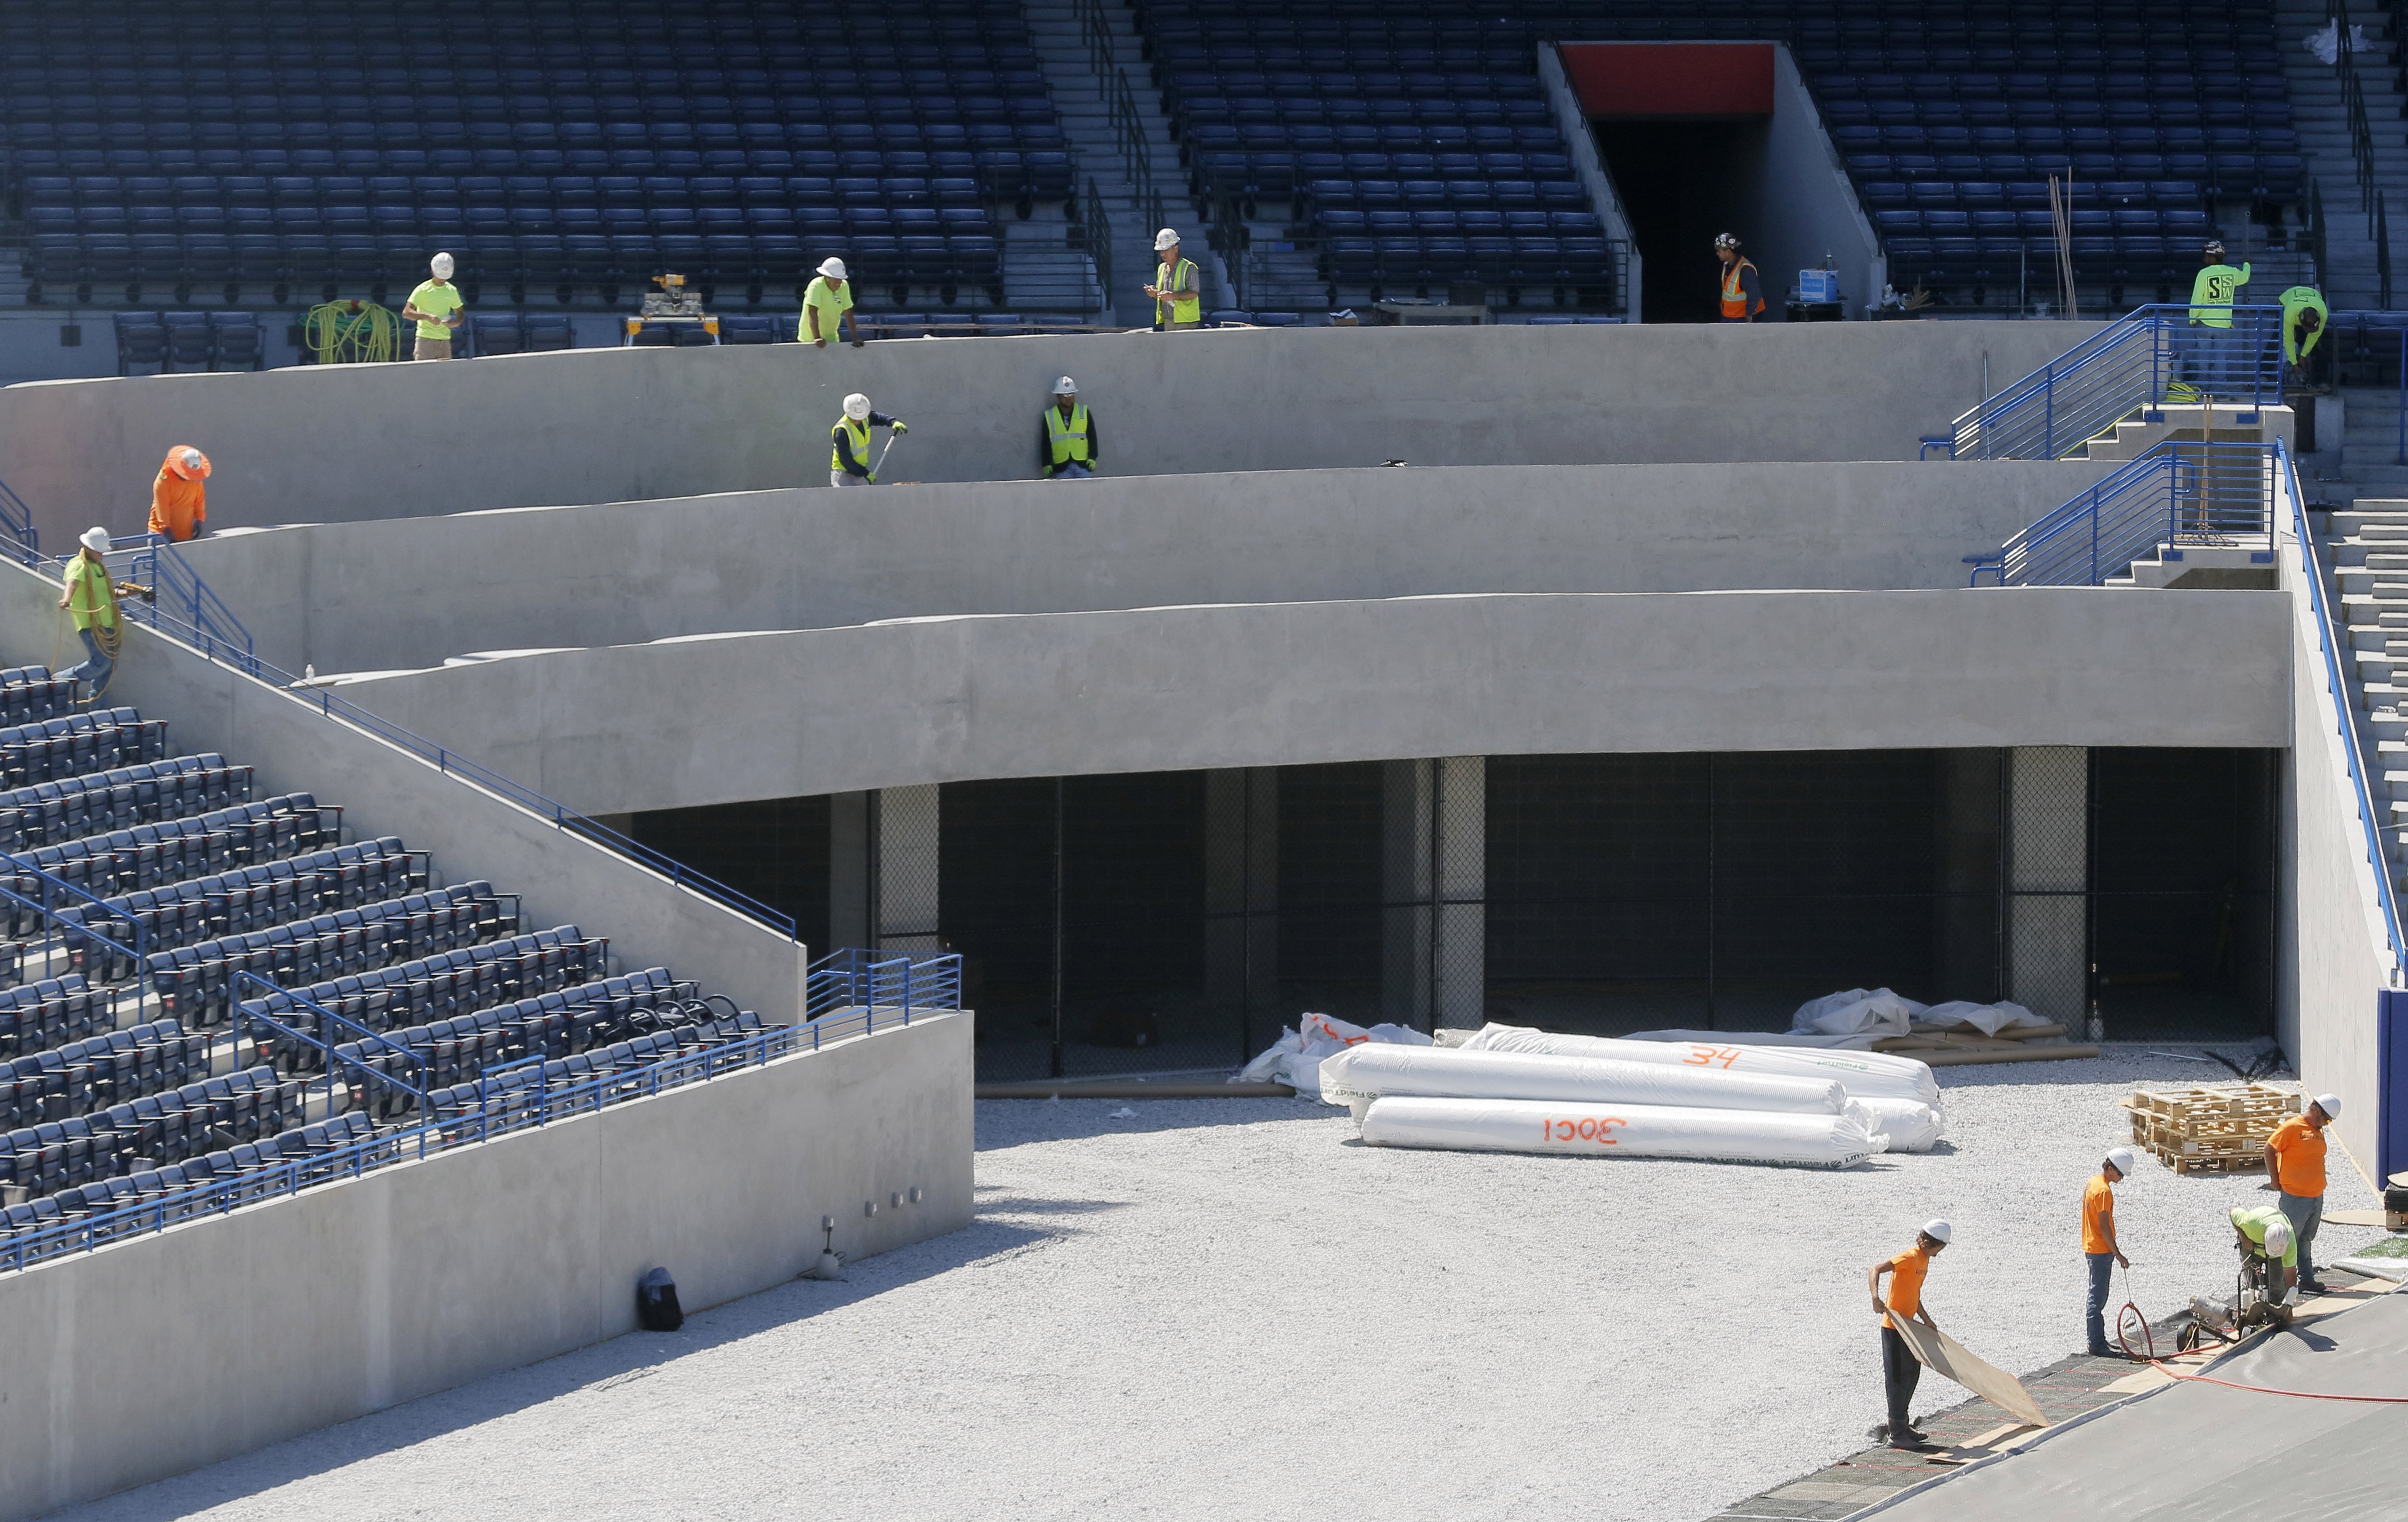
<point x="1630" y="1131"/>
<point x="1911" y="1125"/>
<point x="1855" y="1011"/>
<point x="1362" y="1074"/>
<point x="1294" y="1059"/>
<point x="1987" y="1018"/>
<point x="1868" y="1074"/>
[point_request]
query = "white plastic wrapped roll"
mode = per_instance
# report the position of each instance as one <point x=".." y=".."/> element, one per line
<point x="1911" y="1125"/>
<point x="1361" y="1073"/>
<point x="1868" y="1074"/>
<point x="1609" y="1130"/>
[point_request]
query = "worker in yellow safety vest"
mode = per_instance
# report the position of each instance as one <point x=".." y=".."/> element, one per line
<point x="1178" y="301"/>
<point x="848" y="463"/>
<point x="91" y="600"/>
<point x="1742" y="290"/>
<point x="2305" y="315"/>
<point x="1067" y="447"/>
<point x="2220" y="365"/>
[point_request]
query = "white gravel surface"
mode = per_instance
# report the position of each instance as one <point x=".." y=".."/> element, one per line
<point x="1227" y="1308"/>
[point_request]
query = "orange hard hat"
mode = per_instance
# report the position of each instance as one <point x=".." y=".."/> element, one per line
<point x="189" y="462"/>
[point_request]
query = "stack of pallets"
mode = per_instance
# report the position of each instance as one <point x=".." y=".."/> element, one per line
<point x="2220" y="1128"/>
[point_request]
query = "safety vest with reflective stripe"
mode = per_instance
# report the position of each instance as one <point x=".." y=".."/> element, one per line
<point x="1735" y="299"/>
<point x="1069" y="440"/>
<point x="858" y="433"/>
<point x="1183" y="278"/>
<point x="2212" y="291"/>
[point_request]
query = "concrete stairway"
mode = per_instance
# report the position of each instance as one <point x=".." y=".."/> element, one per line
<point x="1085" y="109"/>
<point x="2367" y="545"/>
<point x="2350" y="279"/>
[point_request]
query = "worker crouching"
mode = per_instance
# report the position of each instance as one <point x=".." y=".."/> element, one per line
<point x="1066" y="444"/>
<point x="849" y="442"/>
<point x="180" y="508"/>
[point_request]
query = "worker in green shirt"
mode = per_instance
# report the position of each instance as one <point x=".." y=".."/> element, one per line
<point x="828" y="308"/>
<point x="435" y="307"/>
<point x="2218" y="368"/>
<point x="2264" y="1232"/>
<point x="90" y="599"/>
<point x="2305" y="315"/>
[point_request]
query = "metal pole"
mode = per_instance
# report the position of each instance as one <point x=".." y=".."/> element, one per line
<point x="1056" y="1070"/>
<point x="1246" y="911"/>
<point x="1711" y="1023"/>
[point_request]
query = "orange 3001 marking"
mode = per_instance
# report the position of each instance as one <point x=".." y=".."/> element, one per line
<point x="1586" y="1128"/>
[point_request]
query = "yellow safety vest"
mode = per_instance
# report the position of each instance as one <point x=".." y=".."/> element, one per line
<point x="2212" y="292"/>
<point x="859" y="434"/>
<point x="91" y="595"/>
<point x="1183" y="276"/>
<point x="1069" y="440"/>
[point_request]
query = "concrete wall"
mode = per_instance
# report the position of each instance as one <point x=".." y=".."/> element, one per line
<point x="2334" y="958"/>
<point x="401" y="593"/>
<point x="725" y="719"/>
<point x="1572" y="119"/>
<point x="164" y="1352"/>
<point x="1800" y="205"/>
<point x="561" y="877"/>
<point x="343" y="442"/>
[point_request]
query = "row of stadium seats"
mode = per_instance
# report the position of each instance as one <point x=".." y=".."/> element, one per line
<point x="197" y="981"/>
<point x="95" y="802"/>
<point x="129" y="1192"/>
<point x="169" y="1127"/>
<point x="256" y="897"/>
<point x="99" y="1071"/>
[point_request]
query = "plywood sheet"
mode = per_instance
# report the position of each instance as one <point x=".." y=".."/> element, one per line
<point x="1939" y="1352"/>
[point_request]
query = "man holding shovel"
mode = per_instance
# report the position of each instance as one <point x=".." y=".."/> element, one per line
<point x="848" y="463"/>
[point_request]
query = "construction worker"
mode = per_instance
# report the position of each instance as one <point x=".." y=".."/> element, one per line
<point x="1742" y="289"/>
<point x="2219" y="368"/>
<point x="1900" y="1369"/>
<point x="2265" y="1233"/>
<point x="849" y="455"/>
<point x="827" y="308"/>
<point x="2295" y="1167"/>
<point x="2305" y="315"/>
<point x="180" y="506"/>
<point x="1178" y="301"/>
<point x="435" y="307"/>
<point x="91" y="600"/>
<point x="1065" y="440"/>
<point x="2098" y="1244"/>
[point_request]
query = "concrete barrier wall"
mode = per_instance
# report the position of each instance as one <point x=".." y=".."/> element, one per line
<point x="719" y="719"/>
<point x="561" y="877"/>
<point x="345" y="443"/>
<point x="2334" y="960"/>
<point x="400" y="592"/>
<point x="162" y="1354"/>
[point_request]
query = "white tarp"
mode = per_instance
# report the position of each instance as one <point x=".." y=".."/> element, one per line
<point x="1911" y="1125"/>
<point x="1628" y="1131"/>
<point x="1294" y="1059"/>
<point x="1989" y="1019"/>
<point x="1861" y="1041"/>
<point x="1362" y="1074"/>
<point x="1868" y="1074"/>
<point x="1857" y="1011"/>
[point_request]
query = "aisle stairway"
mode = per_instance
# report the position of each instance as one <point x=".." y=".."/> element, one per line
<point x="2366" y="547"/>
<point x="2322" y="123"/>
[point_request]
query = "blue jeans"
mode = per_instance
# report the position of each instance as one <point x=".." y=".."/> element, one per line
<point x="2094" y="1315"/>
<point x="1072" y="470"/>
<point x="96" y="665"/>
<point x="2305" y="1212"/>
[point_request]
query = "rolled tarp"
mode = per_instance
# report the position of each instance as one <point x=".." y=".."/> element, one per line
<point x="1611" y="1131"/>
<point x="1867" y="1075"/>
<point x="1361" y="1073"/>
<point x="1911" y="1125"/>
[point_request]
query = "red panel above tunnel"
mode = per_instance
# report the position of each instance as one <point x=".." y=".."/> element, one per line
<point x="1671" y="78"/>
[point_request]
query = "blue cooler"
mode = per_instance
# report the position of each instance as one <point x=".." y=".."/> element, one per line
<point x="1818" y="285"/>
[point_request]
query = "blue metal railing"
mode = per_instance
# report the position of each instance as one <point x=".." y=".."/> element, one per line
<point x="2176" y="494"/>
<point x="2340" y="709"/>
<point x="17" y="525"/>
<point x="2153" y="356"/>
<point x="190" y="614"/>
<point x="852" y="976"/>
<point x="498" y="1110"/>
<point x="181" y="596"/>
<point x="256" y="1012"/>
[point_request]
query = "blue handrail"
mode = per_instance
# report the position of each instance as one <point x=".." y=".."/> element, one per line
<point x="2175" y="494"/>
<point x="851" y="977"/>
<point x="257" y="1010"/>
<point x="2155" y="356"/>
<point x="211" y="631"/>
<point x="179" y="590"/>
<point x="17" y="522"/>
<point x="2340" y="709"/>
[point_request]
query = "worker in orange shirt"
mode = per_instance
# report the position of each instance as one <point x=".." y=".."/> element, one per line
<point x="1899" y="1370"/>
<point x="180" y="506"/>
<point x="2295" y="1165"/>
<point x="2099" y="1245"/>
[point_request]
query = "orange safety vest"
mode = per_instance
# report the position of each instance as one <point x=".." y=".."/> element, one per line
<point x="178" y="507"/>
<point x="1734" y="299"/>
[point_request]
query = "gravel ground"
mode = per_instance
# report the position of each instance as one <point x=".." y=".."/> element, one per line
<point x="1228" y="1308"/>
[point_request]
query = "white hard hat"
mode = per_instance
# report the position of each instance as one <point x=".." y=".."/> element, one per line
<point x="1166" y="238"/>
<point x="191" y="458"/>
<point x="1937" y="1231"/>
<point x="2120" y="1159"/>
<point x="1065" y="387"/>
<point x="856" y="406"/>
<point x="441" y="266"/>
<point x="2329" y="1104"/>
<point x="832" y="267"/>
<point x="95" y="539"/>
<point x="2278" y="1237"/>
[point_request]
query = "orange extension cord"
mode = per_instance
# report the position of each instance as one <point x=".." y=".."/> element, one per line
<point x="2132" y="1313"/>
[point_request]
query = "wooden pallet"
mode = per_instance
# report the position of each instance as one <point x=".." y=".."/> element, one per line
<point x="2218" y="1128"/>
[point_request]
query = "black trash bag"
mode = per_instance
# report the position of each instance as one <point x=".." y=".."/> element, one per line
<point x="656" y="1302"/>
